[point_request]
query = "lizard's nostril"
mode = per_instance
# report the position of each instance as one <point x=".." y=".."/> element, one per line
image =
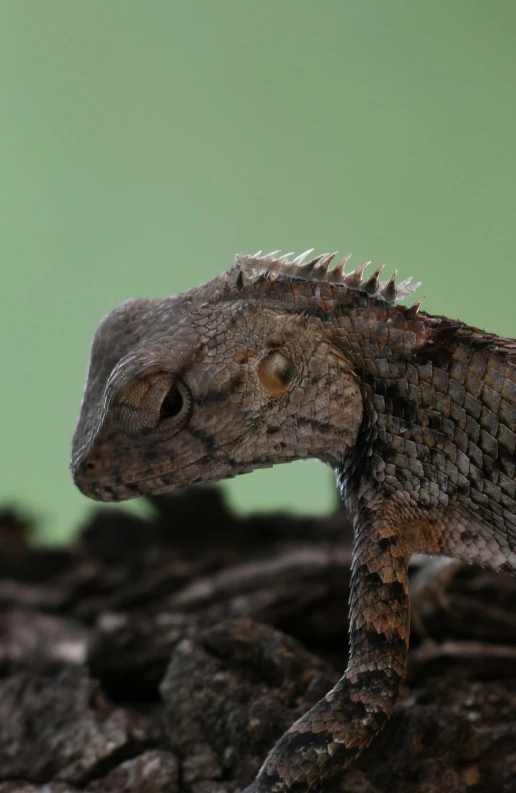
<point x="91" y="466"/>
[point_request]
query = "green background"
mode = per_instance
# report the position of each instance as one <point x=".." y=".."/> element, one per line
<point x="142" y="144"/>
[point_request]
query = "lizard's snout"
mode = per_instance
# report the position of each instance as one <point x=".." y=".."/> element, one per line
<point x="85" y="474"/>
<point x="101" y="481"/>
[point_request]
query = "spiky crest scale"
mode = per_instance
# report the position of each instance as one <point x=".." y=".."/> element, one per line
<point x="317" y="269"/>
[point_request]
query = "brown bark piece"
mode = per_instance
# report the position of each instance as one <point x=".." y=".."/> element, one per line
<point x="174" y="664"/>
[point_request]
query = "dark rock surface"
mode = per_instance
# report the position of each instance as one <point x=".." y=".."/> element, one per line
<point x="166" y="655"/>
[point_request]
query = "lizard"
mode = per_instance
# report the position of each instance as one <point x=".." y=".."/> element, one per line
<point x="279" y="359"/>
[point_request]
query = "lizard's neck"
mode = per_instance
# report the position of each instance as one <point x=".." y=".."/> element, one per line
<point x="438" y="422"/>
<point x="404" y="374"/>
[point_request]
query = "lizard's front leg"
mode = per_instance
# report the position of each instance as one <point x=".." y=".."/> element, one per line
<point x="323" y="742"/>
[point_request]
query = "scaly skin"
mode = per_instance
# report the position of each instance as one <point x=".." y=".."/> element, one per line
<point x="275" y="361"/>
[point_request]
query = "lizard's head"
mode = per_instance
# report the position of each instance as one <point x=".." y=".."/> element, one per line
<point x="236" y="374"/>
<point x="242" y="372"/>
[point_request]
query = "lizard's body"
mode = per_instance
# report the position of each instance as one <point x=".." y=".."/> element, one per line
<point x="275" y="361"/>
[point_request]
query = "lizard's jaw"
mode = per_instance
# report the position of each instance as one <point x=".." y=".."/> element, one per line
<point x="120" y="479"/>
<point x="116" y="489"/>
<point x="112" y="482"/>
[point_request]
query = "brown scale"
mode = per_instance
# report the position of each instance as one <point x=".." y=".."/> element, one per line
<point x="281" y="359"/>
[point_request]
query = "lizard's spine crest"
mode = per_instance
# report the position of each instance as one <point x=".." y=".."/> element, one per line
<point x="317" y="269"/>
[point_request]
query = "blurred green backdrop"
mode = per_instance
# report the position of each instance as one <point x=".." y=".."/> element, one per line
<point x="144" y="143"/>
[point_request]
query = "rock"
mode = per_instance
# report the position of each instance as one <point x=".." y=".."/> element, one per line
<point x="168" y="654"/>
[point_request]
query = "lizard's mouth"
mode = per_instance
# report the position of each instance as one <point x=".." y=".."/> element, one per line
<point x="159" y="485"/>
<point x="134" y="483"/>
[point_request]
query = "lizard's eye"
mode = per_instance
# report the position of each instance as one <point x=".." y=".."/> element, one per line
<point x="172" y="405"/>
<point x="177" y="404"/>
<point x="275" y="372"/>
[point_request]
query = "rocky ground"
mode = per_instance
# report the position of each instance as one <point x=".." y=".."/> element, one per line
<point x="166" y="655"/>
